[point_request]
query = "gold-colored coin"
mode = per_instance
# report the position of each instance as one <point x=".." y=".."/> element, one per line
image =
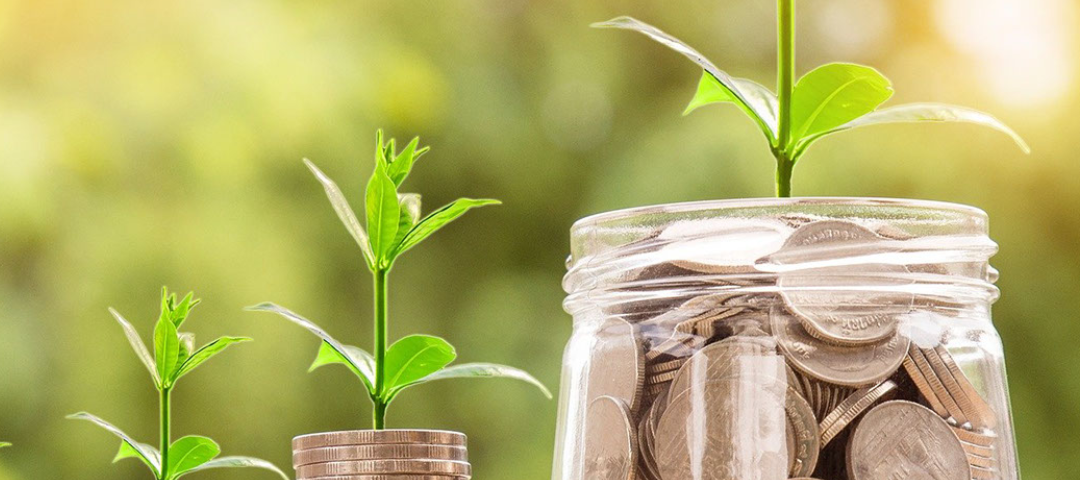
<point x="404" y="451"/>
<point x="369" y="437"/>
<point x="385" y="467"/>
<point x="985" y="438"/>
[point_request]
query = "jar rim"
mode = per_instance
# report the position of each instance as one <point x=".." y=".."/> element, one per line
<point x="773" y="202"/>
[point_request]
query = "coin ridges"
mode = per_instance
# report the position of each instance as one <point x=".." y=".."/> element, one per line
<point x="404" y="451"/>
<point x="850" y="409"/>
<point x="385" y="467"/>
<point x="367" y="437"/>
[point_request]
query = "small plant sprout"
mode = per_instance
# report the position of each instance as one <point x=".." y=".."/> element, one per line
<point x="4" y="444"/>
<point x="394" y="226"/>
<point x="829" y="99"/>
<point x="174" y="356"/>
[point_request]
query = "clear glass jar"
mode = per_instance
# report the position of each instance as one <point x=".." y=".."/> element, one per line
<point x="766" y="339"/>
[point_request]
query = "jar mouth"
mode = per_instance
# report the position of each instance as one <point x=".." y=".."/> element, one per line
<point x="771" y="202"/>
<point x="730" y="241"/>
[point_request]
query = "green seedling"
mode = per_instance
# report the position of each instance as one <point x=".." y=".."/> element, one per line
<point x="829" y="99"/>
<point x="4" y="444"/>
<point x="394" y="226"/>
<point x="174" y="356"/>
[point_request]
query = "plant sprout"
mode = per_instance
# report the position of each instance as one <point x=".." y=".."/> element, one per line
<point x="4" y="444"/>
<point x="174" y="356"/>
<point x="394" y="226"/>
<point x="829" y="99"/>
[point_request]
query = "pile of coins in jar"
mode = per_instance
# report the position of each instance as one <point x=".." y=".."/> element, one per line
<point x="819" y="371"/>
<point x="382" y="455"/>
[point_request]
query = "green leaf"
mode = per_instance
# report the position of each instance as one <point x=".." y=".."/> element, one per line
<point x="383" y="211"/>
<point x="4" y="444"/>
<point x="127" y="451"/>
<point x="365" y="369"/>
<point x="480" y="370"/>
<point x="205" y="353"/>
<point x="754" y="109"/>
<point x="437" y="219"/>
<point x="137" y="344"/>
<point x="166" y="350"/>
<point x="181" y="310"/>
<point x="344" y="212"/>
<point x="360" y="363"/>
<point x="711" y="91"/>
<point x="415" y="357"/>
<point x="237" y="462"/>
<point x="147" y="456"/>
<point x="922" y="112"/>
<point x="402" y="164"/>
<point x="834" y="94"/>
<point x="189" y="453"/>
<point x="409" y="216"/>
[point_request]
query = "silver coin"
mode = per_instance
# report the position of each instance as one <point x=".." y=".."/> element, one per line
<point x="617" y="364"/>
<point x="404" y="451"/>
<point x="723" y="430"/>
<point x="610" y="440"/>
<point x="851" y="407"/>
<point x="853" y="366"/>
<point x="901" y="439"/>
<point x="369" y="437"/>
<point x="752" y="358"/>
<point x="804" y="439"/>
<point x="848" y="304"/>
<point x="385" y="467"/>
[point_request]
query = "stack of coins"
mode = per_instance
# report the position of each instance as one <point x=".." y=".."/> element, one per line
<point x="802" y="372"/>
<point x="382" y="455"/>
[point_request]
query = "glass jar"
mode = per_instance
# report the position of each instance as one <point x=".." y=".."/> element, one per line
<point x="766" y="339"/>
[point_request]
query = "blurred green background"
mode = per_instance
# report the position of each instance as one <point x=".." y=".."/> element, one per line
<point x="158" y="143"/>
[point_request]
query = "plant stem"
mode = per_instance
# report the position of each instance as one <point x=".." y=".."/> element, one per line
<point x="380" y="346"/>
<point x="166" y="424"/>
<point x="785" y="89"/>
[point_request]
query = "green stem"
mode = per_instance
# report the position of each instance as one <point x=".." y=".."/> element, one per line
<point x="785" y="89"/>
<point x="380" y="347"/>
<point x="166" y="424"/>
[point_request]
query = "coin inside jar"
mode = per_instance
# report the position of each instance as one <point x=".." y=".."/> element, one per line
<point x="853" y="366"/>
<point x="723" y="430"/>
<point x="901" y="439"/>
<point x="610" y="440"/>
<point x="617" y="366"/>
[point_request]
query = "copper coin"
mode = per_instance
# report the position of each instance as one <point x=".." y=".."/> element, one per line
<point x="901" y="439"/>
<point x="853" y="366"/>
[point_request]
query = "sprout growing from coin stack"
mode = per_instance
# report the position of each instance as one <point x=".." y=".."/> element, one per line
<point x="394" y="226"/>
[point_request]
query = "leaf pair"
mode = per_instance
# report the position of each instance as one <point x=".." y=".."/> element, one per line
<point x="393" y="219"/>
<point x="187" y="455"/>
<point x="830" y="99"/>
<point x="412" y="360"/>
<point x="174" y="353"/>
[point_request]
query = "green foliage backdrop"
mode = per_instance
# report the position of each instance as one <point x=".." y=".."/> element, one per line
<point x="158" y="143"/>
